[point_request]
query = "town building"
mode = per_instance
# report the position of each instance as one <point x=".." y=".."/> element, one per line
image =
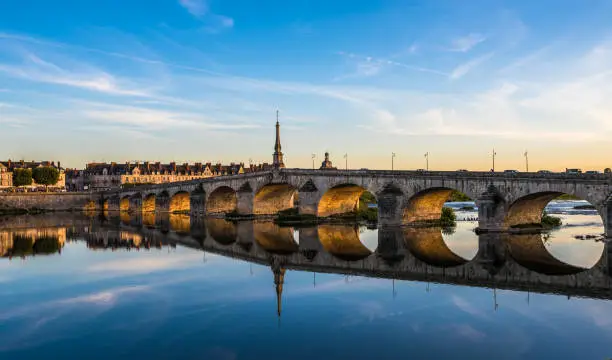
<point x="106" y="176"/>
<point x="7" y="168"/>
<point x="327" y="164"/>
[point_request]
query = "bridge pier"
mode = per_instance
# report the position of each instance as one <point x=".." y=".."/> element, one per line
<point x="162" y="203"/>
<point x="197" y="203"/>
<point x="245" y="235"/>
<point x="491" y="211"/>
<point x="391" y="245"/>
<point x="114" y="204"/>
<point x="244" y="201"/>
<point x="492" y="252"/>
<point x="309" y="197"/>
<point x="606" y="214"/>
<point x="309" y="242"/>
<point x="135" y="204"/>
<point x="390" y="208"/>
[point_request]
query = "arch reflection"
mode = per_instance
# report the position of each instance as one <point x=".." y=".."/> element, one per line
<point x="529" y="251"/>
<point x="222" y="231"/>
<point x="342" y="241"/>
<point x="275" y="239"/>
<point x="428" y="245"/>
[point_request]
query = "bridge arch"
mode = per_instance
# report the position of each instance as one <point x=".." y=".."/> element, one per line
<point x="221" y="200"/>
<point x="426" y="205"/>
<point x="528" y="210"/>
<point x="180" y="202"/>
<point x="340" y="199"/>
<point x="272" y="198"/>
<point x="149" y="202"/>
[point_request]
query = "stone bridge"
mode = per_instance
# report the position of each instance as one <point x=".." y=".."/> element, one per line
<point x="506" y="261"/>
<point x="404" y="197"/>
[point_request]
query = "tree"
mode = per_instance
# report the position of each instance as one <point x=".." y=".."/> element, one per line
<point x="45" y="175"/>
<point x="22" y="177"/>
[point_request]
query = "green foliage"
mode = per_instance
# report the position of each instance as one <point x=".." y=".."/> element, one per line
<point x="367" y="198"/>
<point x="22" y="177"/>
<point x="46" y="245"/>
<point x="22" y="245"/>
<point x="448" y="217"/>
<point x="567" y="197"/>
<point x="456" y="196"/>
<point x="364" y="211"/>
<point x="45" y="175"/>
<point x="289" y="216"/>
<point x="550" y="221"/>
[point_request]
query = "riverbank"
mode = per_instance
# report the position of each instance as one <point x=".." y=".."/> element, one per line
<point x="38" y="202"/>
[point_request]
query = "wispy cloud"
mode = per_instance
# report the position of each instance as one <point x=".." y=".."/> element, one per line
<point x="197" y="8"/>
<point x="155" y="119"/>
<point x="465" y="68"/>
<point x="36" y="69"/>
<point x="466" y="43"/>
<point x="369" y="66"/>
<point x="144" y="265"/>
<point x="201" y="10"/>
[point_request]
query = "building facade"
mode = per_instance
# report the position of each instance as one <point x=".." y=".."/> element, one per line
<point x="107" y="176"/>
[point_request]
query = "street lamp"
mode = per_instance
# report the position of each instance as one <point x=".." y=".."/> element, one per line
<point x="313" y="159"/>
<point x="346" y="161"/>
<point x="493" y="156"/>
<point x="427" y="161"/>
<point x="392" y="157"/>
<point x="526" y="161"/>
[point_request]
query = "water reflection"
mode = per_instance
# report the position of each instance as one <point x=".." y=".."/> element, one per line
<point x="30" y="242"/>
<point x="408" y="253"/>
<point x="335" y="283"/>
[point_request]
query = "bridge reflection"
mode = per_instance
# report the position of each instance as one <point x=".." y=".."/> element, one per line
<point x="506" y="261"/>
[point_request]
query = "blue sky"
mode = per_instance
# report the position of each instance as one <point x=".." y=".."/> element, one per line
<point x="196" y="80"/>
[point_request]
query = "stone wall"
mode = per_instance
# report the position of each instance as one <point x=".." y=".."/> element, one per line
<point x="45" y="201"/>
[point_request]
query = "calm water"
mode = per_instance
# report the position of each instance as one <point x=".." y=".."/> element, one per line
<point x="126" y="288"/>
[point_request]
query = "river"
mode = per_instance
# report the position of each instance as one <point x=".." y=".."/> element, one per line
<point x="80" y="287"/>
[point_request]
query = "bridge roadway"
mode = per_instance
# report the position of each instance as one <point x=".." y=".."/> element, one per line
<point x="504" y="261"/>
<point x="404" y="197"/>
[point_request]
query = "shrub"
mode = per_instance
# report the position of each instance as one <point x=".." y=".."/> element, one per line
<point x="550" y="221"/>
<point x="448" y="218"/>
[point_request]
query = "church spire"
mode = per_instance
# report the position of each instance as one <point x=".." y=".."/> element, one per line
<point x="277" y="157"/>
<point x="279" y="279"/>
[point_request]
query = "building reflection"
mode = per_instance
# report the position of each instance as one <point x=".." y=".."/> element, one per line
<point x="31" y="242"/>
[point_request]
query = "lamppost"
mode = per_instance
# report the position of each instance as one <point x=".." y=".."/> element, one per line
<point x="493" y="155"/>
<point x="346" y="161"/>
<point x="427" y="161"/>
<point x="313" y="159"/>
<point x="392" y="157"/>
<point x="526" y="161"/>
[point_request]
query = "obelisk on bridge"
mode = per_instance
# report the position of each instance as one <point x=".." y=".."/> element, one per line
<point x="277" y="157"/>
